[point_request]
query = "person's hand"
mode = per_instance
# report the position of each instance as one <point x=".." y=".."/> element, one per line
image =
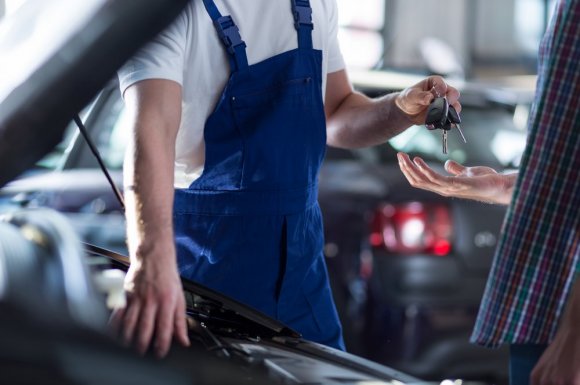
<point x="560" y="363"/>
<point x="155" y="311"/>
<point x="477" y="183"/>
<point x="414" y="101"/>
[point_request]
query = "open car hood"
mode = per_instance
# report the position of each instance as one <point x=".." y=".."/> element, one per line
<point x="206" y="303"/>
<point x="55" y="56"/>
<point x="235" y="331"/>
<point x="50" y="307"/>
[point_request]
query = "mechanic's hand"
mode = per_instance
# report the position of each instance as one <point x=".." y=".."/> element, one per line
<point x="477" y="183"/>
<point x="414" y="101"/>
<point x="155" y="310"/>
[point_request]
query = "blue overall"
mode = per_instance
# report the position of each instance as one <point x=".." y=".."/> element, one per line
<point x="250" y="227"/>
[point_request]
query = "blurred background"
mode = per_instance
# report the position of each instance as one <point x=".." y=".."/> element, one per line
<point x="407" y="267"/>
<point x="479" y="38"/>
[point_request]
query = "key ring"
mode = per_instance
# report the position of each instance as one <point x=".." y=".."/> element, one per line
<point x="435" y="91"/>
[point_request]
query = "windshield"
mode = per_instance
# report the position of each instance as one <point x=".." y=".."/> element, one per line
<point x="56" y="157"/>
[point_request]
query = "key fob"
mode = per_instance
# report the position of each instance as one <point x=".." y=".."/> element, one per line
<point x="437" y="113"/>
<point x="453" y="115"/>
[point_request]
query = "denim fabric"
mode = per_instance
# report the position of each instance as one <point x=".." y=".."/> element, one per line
<point x="250" y="227"/>
<point x="523" y="359"/>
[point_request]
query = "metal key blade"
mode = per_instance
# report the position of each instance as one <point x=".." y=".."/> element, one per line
<point x="461" y="133"/>
<point x="444" y="141"/>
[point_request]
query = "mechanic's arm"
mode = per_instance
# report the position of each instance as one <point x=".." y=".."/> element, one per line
<point x="354" y="120"/>
<point x="156" y="306"/>
<point x="560" y="363"/>
<point x="478" y="183"/>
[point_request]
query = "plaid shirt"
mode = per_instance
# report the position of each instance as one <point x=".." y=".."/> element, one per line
<point x="538" y="256"/>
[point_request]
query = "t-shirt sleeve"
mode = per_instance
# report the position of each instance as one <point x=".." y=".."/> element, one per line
<point x="335" y="59"/>
<point x="162" y="58"/>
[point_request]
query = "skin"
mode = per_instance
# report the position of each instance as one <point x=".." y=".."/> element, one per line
<point x="155" y="311"/>
<point x="155" y="302"/>
<point x="478" y="183"/>
<point x="560" y="363"/>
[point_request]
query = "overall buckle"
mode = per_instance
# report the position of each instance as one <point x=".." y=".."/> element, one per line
<point x="302" y="13"/>
<point x="229" y="33"/>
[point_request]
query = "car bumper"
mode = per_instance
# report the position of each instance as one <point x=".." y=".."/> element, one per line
<point x="426" y="280"/>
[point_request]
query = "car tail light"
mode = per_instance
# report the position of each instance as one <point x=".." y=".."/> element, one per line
<point x="413" y="227"/>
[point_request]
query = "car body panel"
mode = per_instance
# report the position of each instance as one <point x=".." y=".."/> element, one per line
<point x="32" y="113"/>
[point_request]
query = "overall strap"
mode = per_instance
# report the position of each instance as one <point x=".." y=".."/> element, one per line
<point x="230" y="36"/>
<point x="303" y="22"/>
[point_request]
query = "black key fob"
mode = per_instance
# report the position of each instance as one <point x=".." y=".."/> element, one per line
<point x="437" y="113"/>
<point x="453" y="115"/>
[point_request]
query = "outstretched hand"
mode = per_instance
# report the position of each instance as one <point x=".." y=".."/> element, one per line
<point x="414" y="101"/>
<point x="479" y="183"/>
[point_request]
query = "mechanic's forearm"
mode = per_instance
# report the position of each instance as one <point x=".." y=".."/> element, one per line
<point x="154" y="108"/>
<point x="360" y="121"/>
<point x="149" y="198"/>
<point x="149" y="195"/>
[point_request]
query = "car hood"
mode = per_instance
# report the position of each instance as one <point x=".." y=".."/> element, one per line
<point x="235" y="331"/>
<point x="55" y="56"/>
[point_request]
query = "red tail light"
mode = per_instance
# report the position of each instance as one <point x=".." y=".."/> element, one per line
<point x="412" y="228"/>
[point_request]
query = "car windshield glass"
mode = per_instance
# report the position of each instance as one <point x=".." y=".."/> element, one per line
<point x="113" y="147"/>
<point x="56" y="157"/>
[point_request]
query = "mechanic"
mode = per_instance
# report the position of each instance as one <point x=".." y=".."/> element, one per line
<point x="228" y="135"/>
<point x="532" y="299"/>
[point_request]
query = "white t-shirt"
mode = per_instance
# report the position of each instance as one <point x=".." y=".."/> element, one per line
<point x="190" y="53"/>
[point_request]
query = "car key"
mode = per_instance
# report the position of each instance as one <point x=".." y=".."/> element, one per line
<point x="437" y="113"/>
<point x="444" y="130"/>
<point x="454" y="118"/>
<point x="437" y="118"/>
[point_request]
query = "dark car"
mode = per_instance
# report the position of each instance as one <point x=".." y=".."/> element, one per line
<point x="52" y="317"/>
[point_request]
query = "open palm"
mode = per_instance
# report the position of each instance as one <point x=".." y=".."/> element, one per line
<point x="478" y="183"/>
